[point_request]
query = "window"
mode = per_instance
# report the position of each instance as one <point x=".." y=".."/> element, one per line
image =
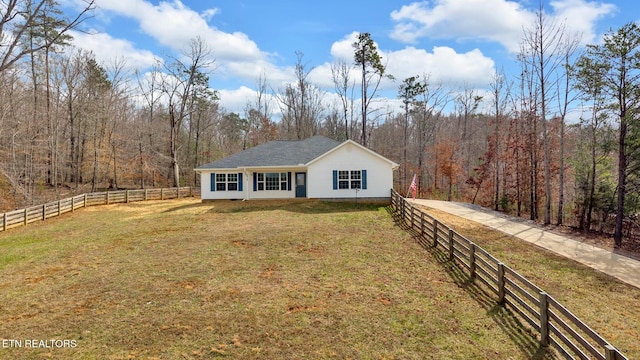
<point x="355" y="179"/>
<point x="221" y="182"/>
<point x="232" y="182"/>
<point x="260" y="181"/>
<point x="349" y="179"/>
<point x="271" y="181"/>
<point x="226" y="182"/>
<point x="343" y="179"/>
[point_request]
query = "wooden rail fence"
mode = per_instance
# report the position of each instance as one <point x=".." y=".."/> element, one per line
<point x="28" y="215"/>
<point x="556" y="325"/>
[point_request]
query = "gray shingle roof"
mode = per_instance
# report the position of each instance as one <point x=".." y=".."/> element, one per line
<point x="277" y="153"/>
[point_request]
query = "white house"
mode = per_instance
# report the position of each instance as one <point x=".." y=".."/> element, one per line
<point x="314" y="168"/>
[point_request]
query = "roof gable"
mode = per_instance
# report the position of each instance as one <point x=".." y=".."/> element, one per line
<point x="276" y="153"/>
<point x="365" y="149"/>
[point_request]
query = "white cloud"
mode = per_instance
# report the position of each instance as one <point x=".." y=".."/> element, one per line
<point x="209" y="13"/>
<point x="107" y="49"/>
<point x="580" y="16"/>
<point x="493" y="20"/>
<point x="343" y="49"/>
<point x="252" y="70"/>
<point x="236" y="100"/>
<point x="500" y="21"/>
<point x="443" y="65"/>
<point x="173" y="24"/>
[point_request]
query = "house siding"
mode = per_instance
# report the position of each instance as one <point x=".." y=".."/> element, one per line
<point x="206" y="192"/>
<point x="379" y="174"/>
<point x="272" y="194"/>
<point x="246" y="190"/>
<point x="374" y="171"/>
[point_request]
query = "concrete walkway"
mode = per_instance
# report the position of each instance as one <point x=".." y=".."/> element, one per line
<point x="618" y="266"/>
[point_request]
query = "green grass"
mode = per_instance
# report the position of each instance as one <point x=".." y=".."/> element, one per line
<point x="607" y="305"/>
<point x="186" y="280"/>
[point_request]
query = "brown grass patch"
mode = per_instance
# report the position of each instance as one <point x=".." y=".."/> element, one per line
<point x="182" y="279"/>
<point x="607" y="305"/>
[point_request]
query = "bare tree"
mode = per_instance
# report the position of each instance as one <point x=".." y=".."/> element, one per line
<point x="96" y="88"/>
<point x="185" y="82"/>
<point x="500" y="93"/>
<point x="466" y="104"/>
<point x="21" y="17"/>
<point x="119" y="106"/>
<point x="529" y="100"/>
<point x="344" y="87"/>
<point x="257" y="114"/>
<point x="428" y="113"/>
<point x="565" y="98"/>
<point x="149" y="89"/>
<point x="300" y="104"/>
<point x="545" y="43"/>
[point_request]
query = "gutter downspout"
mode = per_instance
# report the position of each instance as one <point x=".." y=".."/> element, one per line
<point x="246" y="185"/>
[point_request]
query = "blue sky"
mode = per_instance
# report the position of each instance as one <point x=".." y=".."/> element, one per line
<point x="456" y="42"/>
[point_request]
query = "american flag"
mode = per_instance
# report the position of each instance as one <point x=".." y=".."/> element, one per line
<point x="414" y="187"/>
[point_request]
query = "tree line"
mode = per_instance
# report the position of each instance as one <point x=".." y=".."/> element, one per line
<point x="558" y="142"/>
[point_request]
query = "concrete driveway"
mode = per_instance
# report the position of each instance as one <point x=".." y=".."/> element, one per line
<point x="618" y="266"/>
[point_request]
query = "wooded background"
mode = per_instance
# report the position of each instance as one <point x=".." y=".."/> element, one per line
<point x="558" y="142"/>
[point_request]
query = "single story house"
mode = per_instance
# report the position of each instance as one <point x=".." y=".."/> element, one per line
<point x="314" y="168"/>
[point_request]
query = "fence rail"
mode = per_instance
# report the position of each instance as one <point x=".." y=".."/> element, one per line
<point x="556" y="325"/>
<point x="31" y="214"/>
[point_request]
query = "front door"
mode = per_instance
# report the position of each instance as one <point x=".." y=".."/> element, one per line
<point x="301" y="185"/>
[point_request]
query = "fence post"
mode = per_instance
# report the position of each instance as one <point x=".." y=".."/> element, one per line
<point x="391" y="197"/>
<point x="58" y="207"/>
<point x="412" y="212"/>
<point x="451" y="244"/>
<point x="85" y="199"/>
<point x="72" y="203"/>
<point x="4" y="222"/>
<point x="472" y="260"/>
<point x="44" y="211"/>
<point x="500" y="283"/>
<point x="161" y="193"/>
<point x="610" y="353"/>
<point x="405" y="208"/>
<point x="126" y="196"/>
<point x="145" y="194"/>
<point x="25" y="216"/>
<point x="435" y="233"/>
<point x="544" y="319"/>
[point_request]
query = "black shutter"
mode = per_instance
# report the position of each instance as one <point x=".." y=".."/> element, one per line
<point x="335" y="179"/>
<point x="255" y="181"/>
<point x="239" y="181"/>
<point x="213" y="182"/>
